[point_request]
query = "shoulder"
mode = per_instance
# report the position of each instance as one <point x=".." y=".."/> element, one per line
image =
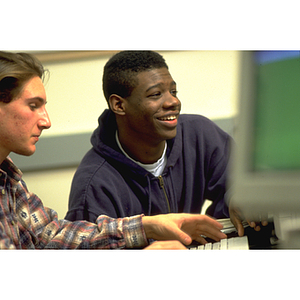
<point x="199" y="124"/>
<point x="190" y="119"/>
<point x="200" y="129"/>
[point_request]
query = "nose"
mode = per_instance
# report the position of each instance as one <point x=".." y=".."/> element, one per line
<point x="44" y="121"/>
<point x="172" y="101"/>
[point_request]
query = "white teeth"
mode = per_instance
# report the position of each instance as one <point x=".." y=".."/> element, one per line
<point x="170" y="118"/>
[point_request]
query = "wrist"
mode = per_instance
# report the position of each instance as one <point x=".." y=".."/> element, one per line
<point x="148" y="226"/>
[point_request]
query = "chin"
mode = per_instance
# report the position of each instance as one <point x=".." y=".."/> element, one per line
<point x="170" y="135"/>
<point x="30" y="152"/>
<point x="26" y="152"/>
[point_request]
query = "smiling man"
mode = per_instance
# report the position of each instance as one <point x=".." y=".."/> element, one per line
<point x="146" y="157"/>
<point x="148" y="117"/>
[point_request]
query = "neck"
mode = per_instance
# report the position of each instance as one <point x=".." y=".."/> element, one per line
<point x="3" y="155"/>
<point x="141" y="151"/>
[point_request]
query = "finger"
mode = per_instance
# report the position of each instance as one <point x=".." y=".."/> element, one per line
<point x="201" y="220"/>
<point x="213" y="223"/>
<point x="203" y="225"/>
<point x="239" y="226"/>
<point x="254" y="225"/>
<point x="264" y="220"/>
<point x="257" y="228"/>
<point x="200" y="240"/>
<point x="210" y="232"/>
<point x="215" y="235"/>
<point x="208" y="225"/>
<point x="236" y="219"/>
<point x="240" y="229"/>
<point x="251" y="224"/>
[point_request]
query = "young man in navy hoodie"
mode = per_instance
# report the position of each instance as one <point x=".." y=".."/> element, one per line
<point x="146" y="157"/>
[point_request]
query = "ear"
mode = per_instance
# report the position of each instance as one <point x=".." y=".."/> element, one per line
<point x="116" y="104"/>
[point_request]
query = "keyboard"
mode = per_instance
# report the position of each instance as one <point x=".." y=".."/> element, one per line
<point x="228" y="227"/>
<point x="234" y="243"/>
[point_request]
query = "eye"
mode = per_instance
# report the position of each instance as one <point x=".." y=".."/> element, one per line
<point x="32" y="106"/>
<point x="155" y="95"/>
<point x="174" y="93"/>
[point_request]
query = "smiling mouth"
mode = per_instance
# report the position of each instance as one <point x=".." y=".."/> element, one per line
<point x="168" y="118"/>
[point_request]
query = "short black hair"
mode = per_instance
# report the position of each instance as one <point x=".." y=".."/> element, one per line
<point x="119" y="76"/>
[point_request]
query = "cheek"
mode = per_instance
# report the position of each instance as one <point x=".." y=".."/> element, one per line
<point x="22" y="120"/>
<point x="21" y="125"/>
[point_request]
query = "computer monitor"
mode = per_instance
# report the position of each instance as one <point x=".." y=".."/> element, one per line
<point x="266" y="163"/>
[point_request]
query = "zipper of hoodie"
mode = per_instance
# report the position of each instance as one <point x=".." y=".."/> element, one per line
<point x="162" y="186"/>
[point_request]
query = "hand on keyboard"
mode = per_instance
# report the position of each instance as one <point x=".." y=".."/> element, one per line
<point x="232" y="242"/>
<point x="183" y="227"/>
<point x="236" y="218"/>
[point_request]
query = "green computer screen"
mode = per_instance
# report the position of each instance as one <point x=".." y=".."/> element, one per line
<point x="276" y="143"/>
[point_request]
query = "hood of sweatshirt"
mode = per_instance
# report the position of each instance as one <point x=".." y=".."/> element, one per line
<point x="104" y="142"/>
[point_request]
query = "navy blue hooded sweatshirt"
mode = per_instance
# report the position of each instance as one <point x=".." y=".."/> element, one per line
<point x="107" y="182"/>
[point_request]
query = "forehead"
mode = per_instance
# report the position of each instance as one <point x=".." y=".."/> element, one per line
<point x="33" y="89"/>
<point x="153" y="78"/>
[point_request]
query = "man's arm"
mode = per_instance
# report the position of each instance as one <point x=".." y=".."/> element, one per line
<point x="5" y="241"/>
<point x="106" y="233"/>
<point x="110" y="233"/>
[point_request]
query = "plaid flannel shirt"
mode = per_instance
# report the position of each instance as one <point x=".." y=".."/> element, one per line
<point x="26" y="224"/>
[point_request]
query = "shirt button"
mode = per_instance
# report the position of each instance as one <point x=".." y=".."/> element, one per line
<point x="3" y="191"/>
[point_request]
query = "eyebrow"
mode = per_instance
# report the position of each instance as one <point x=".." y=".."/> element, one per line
<point x="159" y="84"/>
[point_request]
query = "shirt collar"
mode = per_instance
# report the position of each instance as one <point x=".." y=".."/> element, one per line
<point x="9" y="169"/>
<point x="155" y="168"/>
